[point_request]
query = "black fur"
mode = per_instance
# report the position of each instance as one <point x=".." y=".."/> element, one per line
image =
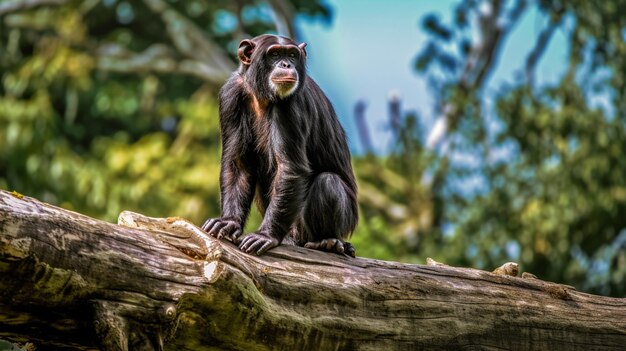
<point x="288" y="152"/>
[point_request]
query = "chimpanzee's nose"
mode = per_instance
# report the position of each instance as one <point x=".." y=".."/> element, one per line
<point x="285" y="64"/>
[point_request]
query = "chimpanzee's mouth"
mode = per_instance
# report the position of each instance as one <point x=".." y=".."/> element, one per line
<point x="284" y="83"/>
<point x="284" y="80"/>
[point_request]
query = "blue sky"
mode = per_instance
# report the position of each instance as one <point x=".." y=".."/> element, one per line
<point x="369" y="48"/>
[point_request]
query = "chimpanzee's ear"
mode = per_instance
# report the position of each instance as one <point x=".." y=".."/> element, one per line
<point x="245" y="51"/>
<point x="302" y="46"/>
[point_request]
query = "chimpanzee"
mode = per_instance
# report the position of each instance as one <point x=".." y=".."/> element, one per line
<point x="282" y="143"/>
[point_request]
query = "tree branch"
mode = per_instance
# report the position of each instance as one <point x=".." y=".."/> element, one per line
<point x="73" y="282"/>
<point x="493" y="29"/>
<point x="19" y="5"/>
<point x="285" y="14"/>
<point x="190" y="40"/>
<point x="362" y="128"/>
<point x="538" y="50"/>
<point x="157" y="58"/>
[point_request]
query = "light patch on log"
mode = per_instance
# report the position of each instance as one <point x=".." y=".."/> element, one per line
<point x="431" y="262"/>
<point x="509" y="268"/>
<point x="179" y="232"/>
<point x="17" y="249"/>
<point x="212" y="271"/>
<point x="527" y="275"/>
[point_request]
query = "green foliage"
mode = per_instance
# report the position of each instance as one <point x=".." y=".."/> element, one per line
<point x="95" y="114"/>
<point x="399" y="213"/>
<point x="556" y="202"/>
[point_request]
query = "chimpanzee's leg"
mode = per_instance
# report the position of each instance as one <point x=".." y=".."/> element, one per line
<point x="328" y="217"/>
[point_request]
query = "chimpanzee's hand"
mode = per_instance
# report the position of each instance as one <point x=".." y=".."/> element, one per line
<point x="223" y="228"/>
<point x="258" y="242"/>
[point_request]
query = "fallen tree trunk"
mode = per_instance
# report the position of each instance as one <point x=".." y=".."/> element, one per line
<point x="68" y="281"/>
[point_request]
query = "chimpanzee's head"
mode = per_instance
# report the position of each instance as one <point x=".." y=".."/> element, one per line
<point x="273" y="66"/>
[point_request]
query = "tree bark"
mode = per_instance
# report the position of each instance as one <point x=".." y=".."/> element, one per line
<point x="68" y="281"/>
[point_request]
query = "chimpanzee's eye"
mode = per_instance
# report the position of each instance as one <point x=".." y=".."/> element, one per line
<point x="292" y="54"/>
<point x="275" y="53"/>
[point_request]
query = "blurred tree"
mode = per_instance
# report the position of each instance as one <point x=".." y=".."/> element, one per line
<point x="108" y="105"/>
<point x="398" y="206"/>
<point x="540" y="178"/>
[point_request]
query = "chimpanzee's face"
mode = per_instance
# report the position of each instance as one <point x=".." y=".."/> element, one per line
<point x="273" y="66"/>
<point x="283" y="60"/>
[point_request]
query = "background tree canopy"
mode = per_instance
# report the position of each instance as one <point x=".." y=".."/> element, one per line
<point x="108" y="105"/>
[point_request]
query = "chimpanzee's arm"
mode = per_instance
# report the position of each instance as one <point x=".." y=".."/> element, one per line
<point x="237" y="181"/>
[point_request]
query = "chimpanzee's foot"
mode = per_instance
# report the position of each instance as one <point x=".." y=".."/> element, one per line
<point x="332" y="245"/>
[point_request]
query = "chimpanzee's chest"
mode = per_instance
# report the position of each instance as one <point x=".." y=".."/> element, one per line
<point x="265" y="143"/>
<point x="277" y="136"/>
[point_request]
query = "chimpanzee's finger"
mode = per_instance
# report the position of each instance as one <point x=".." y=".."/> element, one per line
<point x="209" y="224"/>
<point x="234" y="236"/>
<point x="227" y="229"/>
<point x="268" y="245"/>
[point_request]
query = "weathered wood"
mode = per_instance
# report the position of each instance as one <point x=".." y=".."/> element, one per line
<point x="72" y="282"/>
